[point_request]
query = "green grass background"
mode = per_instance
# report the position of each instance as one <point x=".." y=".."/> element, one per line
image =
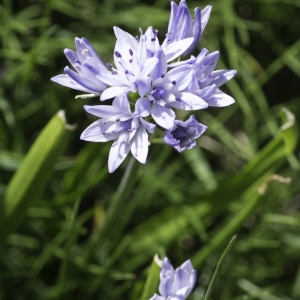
<point x="86" y="235"/>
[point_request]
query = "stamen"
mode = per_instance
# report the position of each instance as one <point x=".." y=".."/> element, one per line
<point x="109" y="66"/>
<point x="130" y="60"/>
<point x="117" y="120"/>
<point x="114" y="72"/>
<point x="103" y="132"/>
<point x="151" y="101"/>
<point x="162" y="75"/>
<point x="118" y="54"/>
<point x="130" y="52"/>
<point x="174" y="82"/>
<point x="177" y="99"/>
<point x="167" y="105"/>
<point x="126" y="72"/>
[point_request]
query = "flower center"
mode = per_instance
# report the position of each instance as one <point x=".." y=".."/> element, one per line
<point x="179" y="133"/>
<point x="159" y="93"/>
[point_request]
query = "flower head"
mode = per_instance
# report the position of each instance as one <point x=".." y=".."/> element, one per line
<point x="146" y="72"/>
<point x="183" y="134"/>
<point x="179" y="283"/>
<point x="84" y="78"/>
<point x="117" y="123"/>
<point x="182" y="26"/>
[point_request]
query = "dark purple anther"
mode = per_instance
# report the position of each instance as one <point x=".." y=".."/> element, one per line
<point x="117" y="120"/>
<point x="153" y="40"/>
<point x="130" y="52"/>
<point x="151" y="101"/>
<point x="78" y="62"/>
<point x="103" y="131"/>
<point x="118" y="54"/>
<point x="109" y="66"/>
<point x="114" y="72"/>
<point x="130" y="60"/>
<point x="174" y="82"/>
<point x="177" y="99"/>
<point x="167" y="105"/>
<point x="162" y="75"/>
<point x="126" y="72"/>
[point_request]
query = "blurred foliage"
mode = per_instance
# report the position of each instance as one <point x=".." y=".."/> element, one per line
<point x="91" y="235"/>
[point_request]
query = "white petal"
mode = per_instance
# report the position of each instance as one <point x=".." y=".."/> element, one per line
<point x="67" y="81"/>
<point x="118" y="152"/>
<point x="121" y="102"/>
<point x="149" y="126"/>
<point x="150" y="64"/>
<point x="125" y="36"/>
<point x="163" y="116"/>
<point x="94" y="133"/>
<point x="222" y="76"/>
<point x="205" y="13"/>
<point x="182" y="75"/>
<point x="220" y="99"/>
<point x="139" y="146"/>
<point x="113" y="92"/>
<point x="142" y="107"/>
<point x="102" y="111"/>
<point x="189" y="101"/>
<point x="144" y="86"/>
<point x="175" y="49"/>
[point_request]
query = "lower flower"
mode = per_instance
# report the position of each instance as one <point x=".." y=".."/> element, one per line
<point x="182" y="135"/>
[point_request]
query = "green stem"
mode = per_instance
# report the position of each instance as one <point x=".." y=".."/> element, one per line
<point x="218" y="268"/>
<point x="117" y="203"/>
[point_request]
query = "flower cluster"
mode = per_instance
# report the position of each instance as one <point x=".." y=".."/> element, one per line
<point x="147" y="82"/>
<point x="176" y="284"/>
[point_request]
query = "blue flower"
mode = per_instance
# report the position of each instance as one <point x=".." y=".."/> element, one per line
<point x="119" y="124"/>
<point x="81" y="60"/>
<point x="183" y="134"/>
<point x="182" y="26"/>
<point x="176" y="284"/>
<point x="203" y="81"/>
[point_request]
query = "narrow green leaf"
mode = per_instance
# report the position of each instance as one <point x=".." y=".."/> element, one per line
<point x="219" y="265"/>
<point x="233" y="226"/>
<point x="34" y="173"/>
<point x="152" y="281"/>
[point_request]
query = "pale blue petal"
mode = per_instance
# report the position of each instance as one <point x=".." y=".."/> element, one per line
<point x="149" y="126"/>
<point x="163" y="116"/>
<point x="113" y="92"/>
<point x="142" y="107"/>
<point x="91" y="49"/>
<point x="125" y="36"/>
<point x="94" y="133"/>
<point x="102" y="111"/>
<point x="83" y="81"/>
<point x="181" y="75"/>
<point x="161" y="67"/>
<point x="118" y="152"/>
<point x="139" y="146"/>
<point x="72" y="58"/>
<point x="175" y="49"/>
<point x="144" y="86"/>
<point x="220" y="99"/>
<point x="222" y="76"/>
<point x="189" y="101"/>
<point x="67" y="81"/>
<point x="121" y="102"/>
<point x="205" y="13"/>
<point x="150" y="64"/>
